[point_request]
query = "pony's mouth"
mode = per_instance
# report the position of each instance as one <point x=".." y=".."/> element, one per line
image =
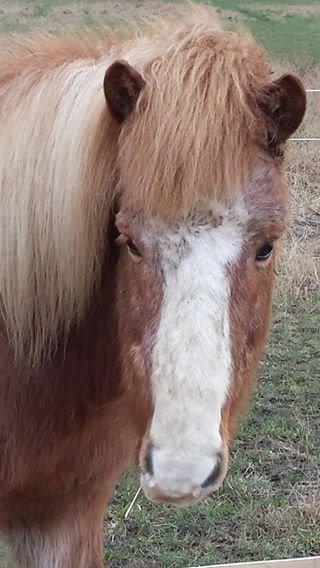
<point x="179" y="479"/>
<point x="154" y="494"/>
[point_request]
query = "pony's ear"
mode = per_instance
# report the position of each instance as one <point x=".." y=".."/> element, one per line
<point x="284" y="102"/>
<point x="122" y="86"/>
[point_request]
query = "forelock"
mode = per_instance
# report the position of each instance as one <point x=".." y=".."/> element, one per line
<point x="194" y="134"/>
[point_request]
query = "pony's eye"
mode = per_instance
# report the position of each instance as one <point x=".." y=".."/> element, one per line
<point x="265" y="252"/>
<point x="133" y="249"/>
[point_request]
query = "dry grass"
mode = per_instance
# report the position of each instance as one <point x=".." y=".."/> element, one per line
<point x="299" y="267"/>
<point x="300" y="263"/>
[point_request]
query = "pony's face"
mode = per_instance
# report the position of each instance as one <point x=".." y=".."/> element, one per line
<point x="194" y="289"/>
<point x="195" y="299"/>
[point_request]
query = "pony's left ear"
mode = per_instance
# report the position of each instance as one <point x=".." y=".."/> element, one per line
<point x="122" y="86"/>
<point x="284" y="102"/>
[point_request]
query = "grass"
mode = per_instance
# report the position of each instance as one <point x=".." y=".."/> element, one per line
<point x="288" y="28"/>
<point x="270" y="506"/>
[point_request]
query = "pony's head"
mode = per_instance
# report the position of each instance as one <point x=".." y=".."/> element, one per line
<point x="189" y="151"/>
<point x="202" y="210"/>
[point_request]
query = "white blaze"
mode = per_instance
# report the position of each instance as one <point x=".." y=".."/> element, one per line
<point x="192" y="355"/>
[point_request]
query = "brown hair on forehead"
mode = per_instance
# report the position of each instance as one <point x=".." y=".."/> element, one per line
<point x="194" y="134"/>
<point x="267" y="198"/>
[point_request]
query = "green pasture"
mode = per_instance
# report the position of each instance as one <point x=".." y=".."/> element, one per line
<point x="288" y="29"/>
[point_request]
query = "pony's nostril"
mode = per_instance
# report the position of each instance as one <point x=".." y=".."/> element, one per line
<point x="148" y="460"/>
<point x="214" y="474"/>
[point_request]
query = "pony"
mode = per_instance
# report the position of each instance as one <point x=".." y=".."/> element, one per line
<point x="143" y="203"/>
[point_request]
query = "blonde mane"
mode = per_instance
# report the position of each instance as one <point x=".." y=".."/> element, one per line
<point x="191" y="138"/>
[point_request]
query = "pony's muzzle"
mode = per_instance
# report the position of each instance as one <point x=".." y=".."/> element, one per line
<point x="178" y="478"/>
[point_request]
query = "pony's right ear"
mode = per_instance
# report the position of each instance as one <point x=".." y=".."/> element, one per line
<point x="285" y="104"/>
<point x="122" y="86"/>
